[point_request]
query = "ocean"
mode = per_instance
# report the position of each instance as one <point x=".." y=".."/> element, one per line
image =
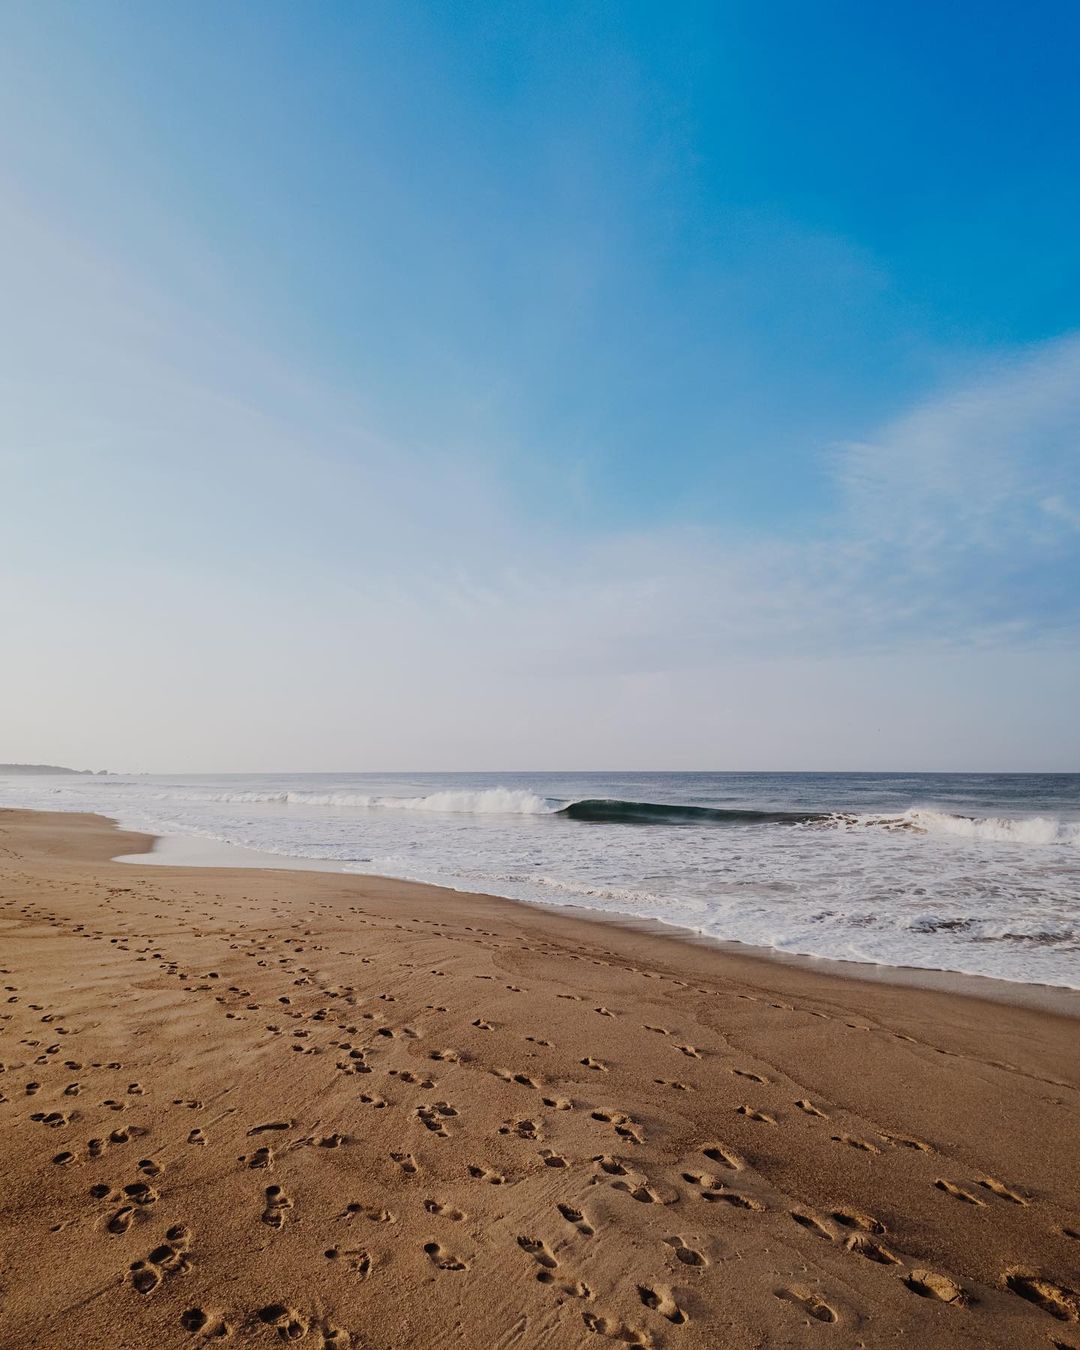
<point x="973" y="873"/>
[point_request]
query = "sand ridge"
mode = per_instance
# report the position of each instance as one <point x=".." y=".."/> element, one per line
<point x="249" y="1108"/>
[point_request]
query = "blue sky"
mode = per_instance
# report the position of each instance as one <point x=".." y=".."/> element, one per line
<point x="443" y="386"/>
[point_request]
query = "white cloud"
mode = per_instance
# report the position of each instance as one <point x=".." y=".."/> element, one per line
<point x="250" y="575"/>
<point x="1059" y="509"/>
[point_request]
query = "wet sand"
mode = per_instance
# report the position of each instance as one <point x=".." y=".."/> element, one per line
<point x="253" y="1107"/>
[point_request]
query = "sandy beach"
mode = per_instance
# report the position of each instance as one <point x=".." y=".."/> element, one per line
<point x="272" y="1106"/>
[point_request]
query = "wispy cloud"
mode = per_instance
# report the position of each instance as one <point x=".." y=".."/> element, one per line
<point x="266" y="576"/>
<point x="954" y="529"/>
<point x="973" y="468"/>
<point x="1059" y="509"/>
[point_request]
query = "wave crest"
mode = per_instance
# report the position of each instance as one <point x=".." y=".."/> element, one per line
<point x="987" y="829"/>
<point x="603" y="810"/>
<point x="487" y="801"/>
<point x="503" y="801"/>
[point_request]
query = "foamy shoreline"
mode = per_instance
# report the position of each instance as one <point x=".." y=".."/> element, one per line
<point x="388" y="1116"/>
<point x="780" y="862"/>
<point x="197" y="851"/>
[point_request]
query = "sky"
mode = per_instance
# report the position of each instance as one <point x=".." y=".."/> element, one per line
<point x="576" y="386"/>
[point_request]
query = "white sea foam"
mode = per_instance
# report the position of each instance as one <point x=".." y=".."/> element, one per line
<point x="1038" y="830"/>
<point x="998" y="829"/>
<point x="489" y="801"/>
<point x="520" y="802"/>
<point x="982" y="878"/>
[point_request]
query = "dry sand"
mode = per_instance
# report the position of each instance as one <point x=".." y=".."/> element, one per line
<point x="258" y="1107"/>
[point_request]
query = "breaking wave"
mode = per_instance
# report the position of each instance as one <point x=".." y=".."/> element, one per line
<point x="489" y="801"/>
<point x="501" y="801"/>
<point x="986" y="829"/>
<point x="614" y="811"/>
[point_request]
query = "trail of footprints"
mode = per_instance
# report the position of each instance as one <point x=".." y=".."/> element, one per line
<point x="859" y="1234"/>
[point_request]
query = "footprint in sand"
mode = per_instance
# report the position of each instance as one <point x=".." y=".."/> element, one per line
<point x="1055" y="1299"/>
<point x="1002" y="1191"/>
<point x="862" y="1245"/>
<point x="356" y="1261"/>
<point x="748" y="1073"/>
<point x="685" y="1253"/>
<point x="431" y="1117"/>
<point x="663" y="1303"/>
<point x="610" y="1116"/>
<point x="853" y="1142"/>
<point x="733" y="1198"/>
<point x="196" y="1320"/>
<point x="168" y="1258"/>
<point x="479" y="1173"/>
<point x="614" y="1330"/>
<point x="809" y="1302"/>
<point x="53" y="1119"/>
<point x="441" y="1259"/>
<point x="406" y="1162"/>
<point x="405" y="1076"/>
<point x="595" y="1064"/>
<point x="524" y="1129"/>
<point x="328" y="1140"/>
<point x="906" y="1141"/>
<point x="522" y="1079"/>
<point x="852" y="1218"/>
<point x="444" y="1211"/>
<point x="751" y="1114"/>
<point x="929" y="1284"/>
<point x="610" y="1165"/>
<point x="290" y="1325"/>
<point x="577" y="1218"/>
<point x="958" y="1192"/>
<point x="277" y="1202"/>
<point x="552" y="1159"/>
<point x="139" y="1193"/>
<point x="541" y="1254"/>
<point x="717" y="1154"/>
<point x="638" y="1191"/>
<point x="804" y="1104"/>
<point x="812" y="1225"/>
<point x="373" y="1212"/>
<point x="136" y="1194"/>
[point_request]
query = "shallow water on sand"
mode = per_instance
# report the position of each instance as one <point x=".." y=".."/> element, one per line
<point x="978" y="873"/>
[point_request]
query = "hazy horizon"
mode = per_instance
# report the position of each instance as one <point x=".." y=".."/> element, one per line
<point x="472" y="387"/>
<point x="591" y="772"/>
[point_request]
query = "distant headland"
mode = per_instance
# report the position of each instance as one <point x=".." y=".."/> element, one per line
<point x="45" y="768"/>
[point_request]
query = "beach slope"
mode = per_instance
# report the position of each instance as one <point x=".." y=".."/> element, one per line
<point x="253" y="1107"/>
